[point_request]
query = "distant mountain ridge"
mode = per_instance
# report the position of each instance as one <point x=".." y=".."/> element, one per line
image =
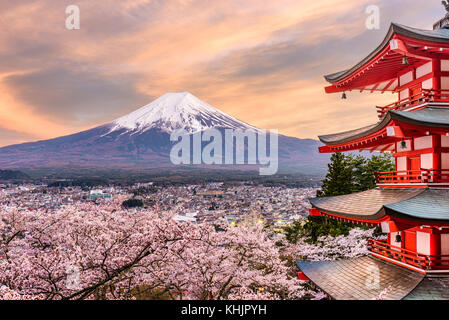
<point x="141" y="139"/>
<point x="13" y="175"/>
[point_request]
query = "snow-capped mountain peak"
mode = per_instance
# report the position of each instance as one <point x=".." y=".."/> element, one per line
<point x="179" y="110"/>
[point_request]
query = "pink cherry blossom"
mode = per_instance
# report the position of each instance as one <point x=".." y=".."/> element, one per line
<point x="89" y="251"/>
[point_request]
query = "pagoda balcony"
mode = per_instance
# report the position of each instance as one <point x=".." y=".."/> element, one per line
<point x="423" y="177"/>
<point x="439" y="97"/>
<point x="408" y="258"/>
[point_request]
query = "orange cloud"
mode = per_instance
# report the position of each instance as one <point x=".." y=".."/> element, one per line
<point x="18" y="117"/>
<point x="262" y="62"/>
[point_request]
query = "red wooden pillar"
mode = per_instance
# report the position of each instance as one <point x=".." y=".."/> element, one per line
<point x="410" y="239"/>
<point x="436" y="66"/>
<point x="402" y="233"/>
<point x="436" y="156"/>
<point x="435" y="242"/>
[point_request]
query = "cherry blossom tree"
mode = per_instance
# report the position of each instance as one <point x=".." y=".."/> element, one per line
<point x="82" y="251"/>
<point x="331" y="248"/>
<point x="89" y="251"/>
<point x="236" y="263"/>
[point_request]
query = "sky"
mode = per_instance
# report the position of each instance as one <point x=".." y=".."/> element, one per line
<point x="261" y="61"/>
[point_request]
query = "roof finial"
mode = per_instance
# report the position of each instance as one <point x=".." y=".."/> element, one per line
<point x="446" y="5"/>
<point x="443" y="23"/>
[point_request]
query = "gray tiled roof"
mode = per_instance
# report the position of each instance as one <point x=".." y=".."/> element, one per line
<point x="429" y="116"/>
<point x="361" y="279"/>
<point x="433" y="116"/>
<point x="368" y="205"/>
<point x="431" y="289"/>
<point x="431" y="205"/>
<point x="439" y="35"/>
<point x="347" y="135"/>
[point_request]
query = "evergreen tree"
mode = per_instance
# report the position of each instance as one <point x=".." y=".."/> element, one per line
<point x="347" y="174"/>
<point x="132" y="203"/>
<point x="315" y="227"/>
<point x="360" y="176"/>
<point x="339" y="178"/>
<point x="364" y="170"/>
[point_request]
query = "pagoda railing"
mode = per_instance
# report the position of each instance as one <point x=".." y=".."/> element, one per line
<point x="426" y="176"/>
<point x="422" y="261"/>
<point x="422" y="98"/>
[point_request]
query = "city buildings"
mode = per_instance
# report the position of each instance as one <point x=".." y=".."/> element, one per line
<point x="273" y="206"/>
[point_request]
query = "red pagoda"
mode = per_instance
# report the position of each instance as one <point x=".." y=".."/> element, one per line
<point x="411" y="204"/>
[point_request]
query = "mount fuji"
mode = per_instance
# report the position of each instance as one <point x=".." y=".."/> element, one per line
<point x="141" y="139"/>
<point x="175" y="111"/>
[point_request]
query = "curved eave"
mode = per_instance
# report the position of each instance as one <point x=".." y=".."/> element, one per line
<point x="431" y="206"/>
<point x="409" y="206"/>
<point x="337" y="76"/>
<point x="363" y="207"/>
<point x="407" y="217"/>
<point x="426" y="118"/>
<point x="352" y="135"/>
<point x="346" y="279"/>
<point x="366" y="138"/>
<point x="373" y="219"/>
<point x="437" y="37"/>
<point x="432" y="117"/>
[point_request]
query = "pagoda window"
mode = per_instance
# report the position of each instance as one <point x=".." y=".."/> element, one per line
<point x="428" y="84"/>
<point x="406" y="78"/>
<point x="423" y="142"/>
<point x="445" y="161"/>
<point x="423" y="242"/>
<point x="445" y="246"/>
<point x="424" y="70"/>
<point x="401" y="163"/>
<point x="444" y="155"/>
<point x="427" y="161"/>
<point x="445" y="141"/>
<point x="444" y="65"/>
<point x="404" y="94"/>
<point x="444" y="83"/>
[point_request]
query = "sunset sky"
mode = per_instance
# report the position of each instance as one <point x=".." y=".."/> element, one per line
<point x="260" y="61"/>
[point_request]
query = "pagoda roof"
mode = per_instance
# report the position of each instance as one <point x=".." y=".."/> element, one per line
<point x="431" y="204"/>
<point x="347" y="136"/>
<point x="432" y="116"/>
<point x="366" y="205"/>
<point x="438" y="35"/>
<point x="347" y="279"/>
<point x="430" y="289"/>
<point x="376" y="205"/>
<point x="379" y="69"/>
